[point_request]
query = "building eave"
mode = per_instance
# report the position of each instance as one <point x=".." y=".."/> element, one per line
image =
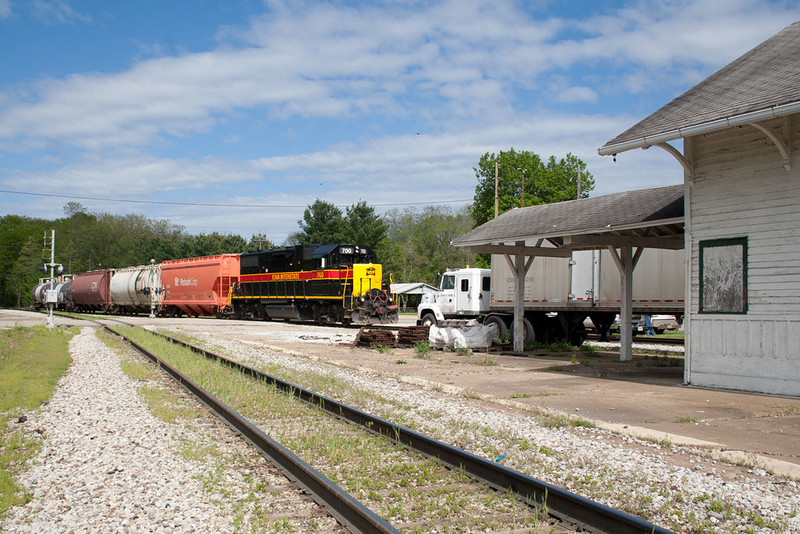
<point x="781" y="110"/>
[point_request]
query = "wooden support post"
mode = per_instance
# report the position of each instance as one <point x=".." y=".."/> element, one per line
<point x="626" y="281"/>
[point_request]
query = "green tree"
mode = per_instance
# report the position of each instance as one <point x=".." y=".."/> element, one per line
<point x="212" y="244"/>
<point x="419" y="243"/>
<point x="15" y="233"/>
<point x="23" y="274"/>
<point x="544" y="183"/>
<point x="363" y="227"/>
<point x="322" y="223"/>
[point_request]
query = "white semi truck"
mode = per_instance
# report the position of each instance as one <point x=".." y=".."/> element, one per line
<point x="560" y="293"/>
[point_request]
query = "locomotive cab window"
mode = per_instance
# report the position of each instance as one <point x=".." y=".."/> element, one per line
<point x="486" y="283"/>
<point x="464" y="285"/>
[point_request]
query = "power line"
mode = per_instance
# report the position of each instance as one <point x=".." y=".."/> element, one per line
<point x="217" y="205"/>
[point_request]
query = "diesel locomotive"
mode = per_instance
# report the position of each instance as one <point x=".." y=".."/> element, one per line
<point x="320" y="283"/>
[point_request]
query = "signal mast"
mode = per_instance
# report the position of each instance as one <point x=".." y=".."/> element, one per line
<point x="55" y="268"/>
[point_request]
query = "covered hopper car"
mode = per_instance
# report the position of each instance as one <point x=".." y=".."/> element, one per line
<point x="199" y="286"/>
<point x="62" y="284"/>
<point x="136" y="289"/>
<point x="91" y="291"/>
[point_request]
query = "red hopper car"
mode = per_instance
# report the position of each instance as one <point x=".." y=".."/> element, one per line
<point x="199" y="286"/>
<point x="91" y="290"/>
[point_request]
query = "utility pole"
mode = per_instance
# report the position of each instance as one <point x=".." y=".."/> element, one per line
<point x="524" y="172"/>
<point x="496" y="183"/>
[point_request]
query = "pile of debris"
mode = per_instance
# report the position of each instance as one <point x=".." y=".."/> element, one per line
<point x="407" y="336"/>
<point x="371" y="337"/>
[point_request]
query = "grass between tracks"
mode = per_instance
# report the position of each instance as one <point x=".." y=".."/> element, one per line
<point x="32" y="360"/>
<point x="590" y="477"/>
<point x="405" y="488"/>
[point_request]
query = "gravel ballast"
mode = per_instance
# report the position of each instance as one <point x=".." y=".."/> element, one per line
<point x="108" y="465"/>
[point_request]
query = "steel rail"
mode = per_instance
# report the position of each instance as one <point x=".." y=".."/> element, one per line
<point x="562" y="504"/>
<point x="346" y="509"/>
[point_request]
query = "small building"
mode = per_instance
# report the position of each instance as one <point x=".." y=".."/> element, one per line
<point x="403" y="291"/>
<point x="741" y="133"/>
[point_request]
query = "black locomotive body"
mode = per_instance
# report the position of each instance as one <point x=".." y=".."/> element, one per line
<point x="321" y="283"/>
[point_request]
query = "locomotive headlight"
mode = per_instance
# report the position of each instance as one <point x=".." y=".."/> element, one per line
<point x="362" y="299"/>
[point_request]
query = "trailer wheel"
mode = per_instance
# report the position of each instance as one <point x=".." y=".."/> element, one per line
<point x="429" y="319"/>
<point x="527" y="328"/>
<point x="502" y="329"/>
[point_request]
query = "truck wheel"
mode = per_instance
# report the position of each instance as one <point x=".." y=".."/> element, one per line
<point x="429" y="319"/>
<point x="502" y="329"/>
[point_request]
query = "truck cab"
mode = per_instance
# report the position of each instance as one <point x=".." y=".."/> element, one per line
<point x="461" y="294"/>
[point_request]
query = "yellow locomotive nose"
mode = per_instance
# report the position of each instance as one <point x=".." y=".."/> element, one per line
<point x="366" y="277"/>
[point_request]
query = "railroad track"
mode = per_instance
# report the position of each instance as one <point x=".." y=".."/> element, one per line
<point x="569" y="512"/>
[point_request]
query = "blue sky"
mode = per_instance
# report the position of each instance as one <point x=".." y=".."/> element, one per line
<point x="269" y="105"/>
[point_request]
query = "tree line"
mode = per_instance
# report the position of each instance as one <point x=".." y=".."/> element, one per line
<point x="412" y="244"/>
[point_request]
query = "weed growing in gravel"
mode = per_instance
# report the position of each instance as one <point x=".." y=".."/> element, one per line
<point x="463" y="351"/>
<point x="521" y="395"/>
<point x="686" y="420"/>
<point x="787" y="411"/>
<point x="561" y="346"/>
<point x="383" y="349"/>
<point x="423" y="348"/>
<point x="562" y="421"/>
<point x="487" y="362"/>
<point x="400" y="362"/>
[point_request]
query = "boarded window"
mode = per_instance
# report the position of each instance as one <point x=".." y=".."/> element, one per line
<point x="723" y="276"/>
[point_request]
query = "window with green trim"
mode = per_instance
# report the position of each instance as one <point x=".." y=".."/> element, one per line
<point x="723" y="275"/>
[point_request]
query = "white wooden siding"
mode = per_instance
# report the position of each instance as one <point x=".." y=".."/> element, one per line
<point x="741" y="189"/>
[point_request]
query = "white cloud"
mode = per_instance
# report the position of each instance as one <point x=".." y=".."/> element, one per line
<point x="5" y="9"/>
<point x="57" y="12"/>
<point x="332" y="61"/>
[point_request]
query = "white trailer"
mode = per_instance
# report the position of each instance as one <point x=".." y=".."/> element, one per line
<point x="560" y="293"/>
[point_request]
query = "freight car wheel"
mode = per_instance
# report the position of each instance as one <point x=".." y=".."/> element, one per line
<point x="429" y="319"/>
